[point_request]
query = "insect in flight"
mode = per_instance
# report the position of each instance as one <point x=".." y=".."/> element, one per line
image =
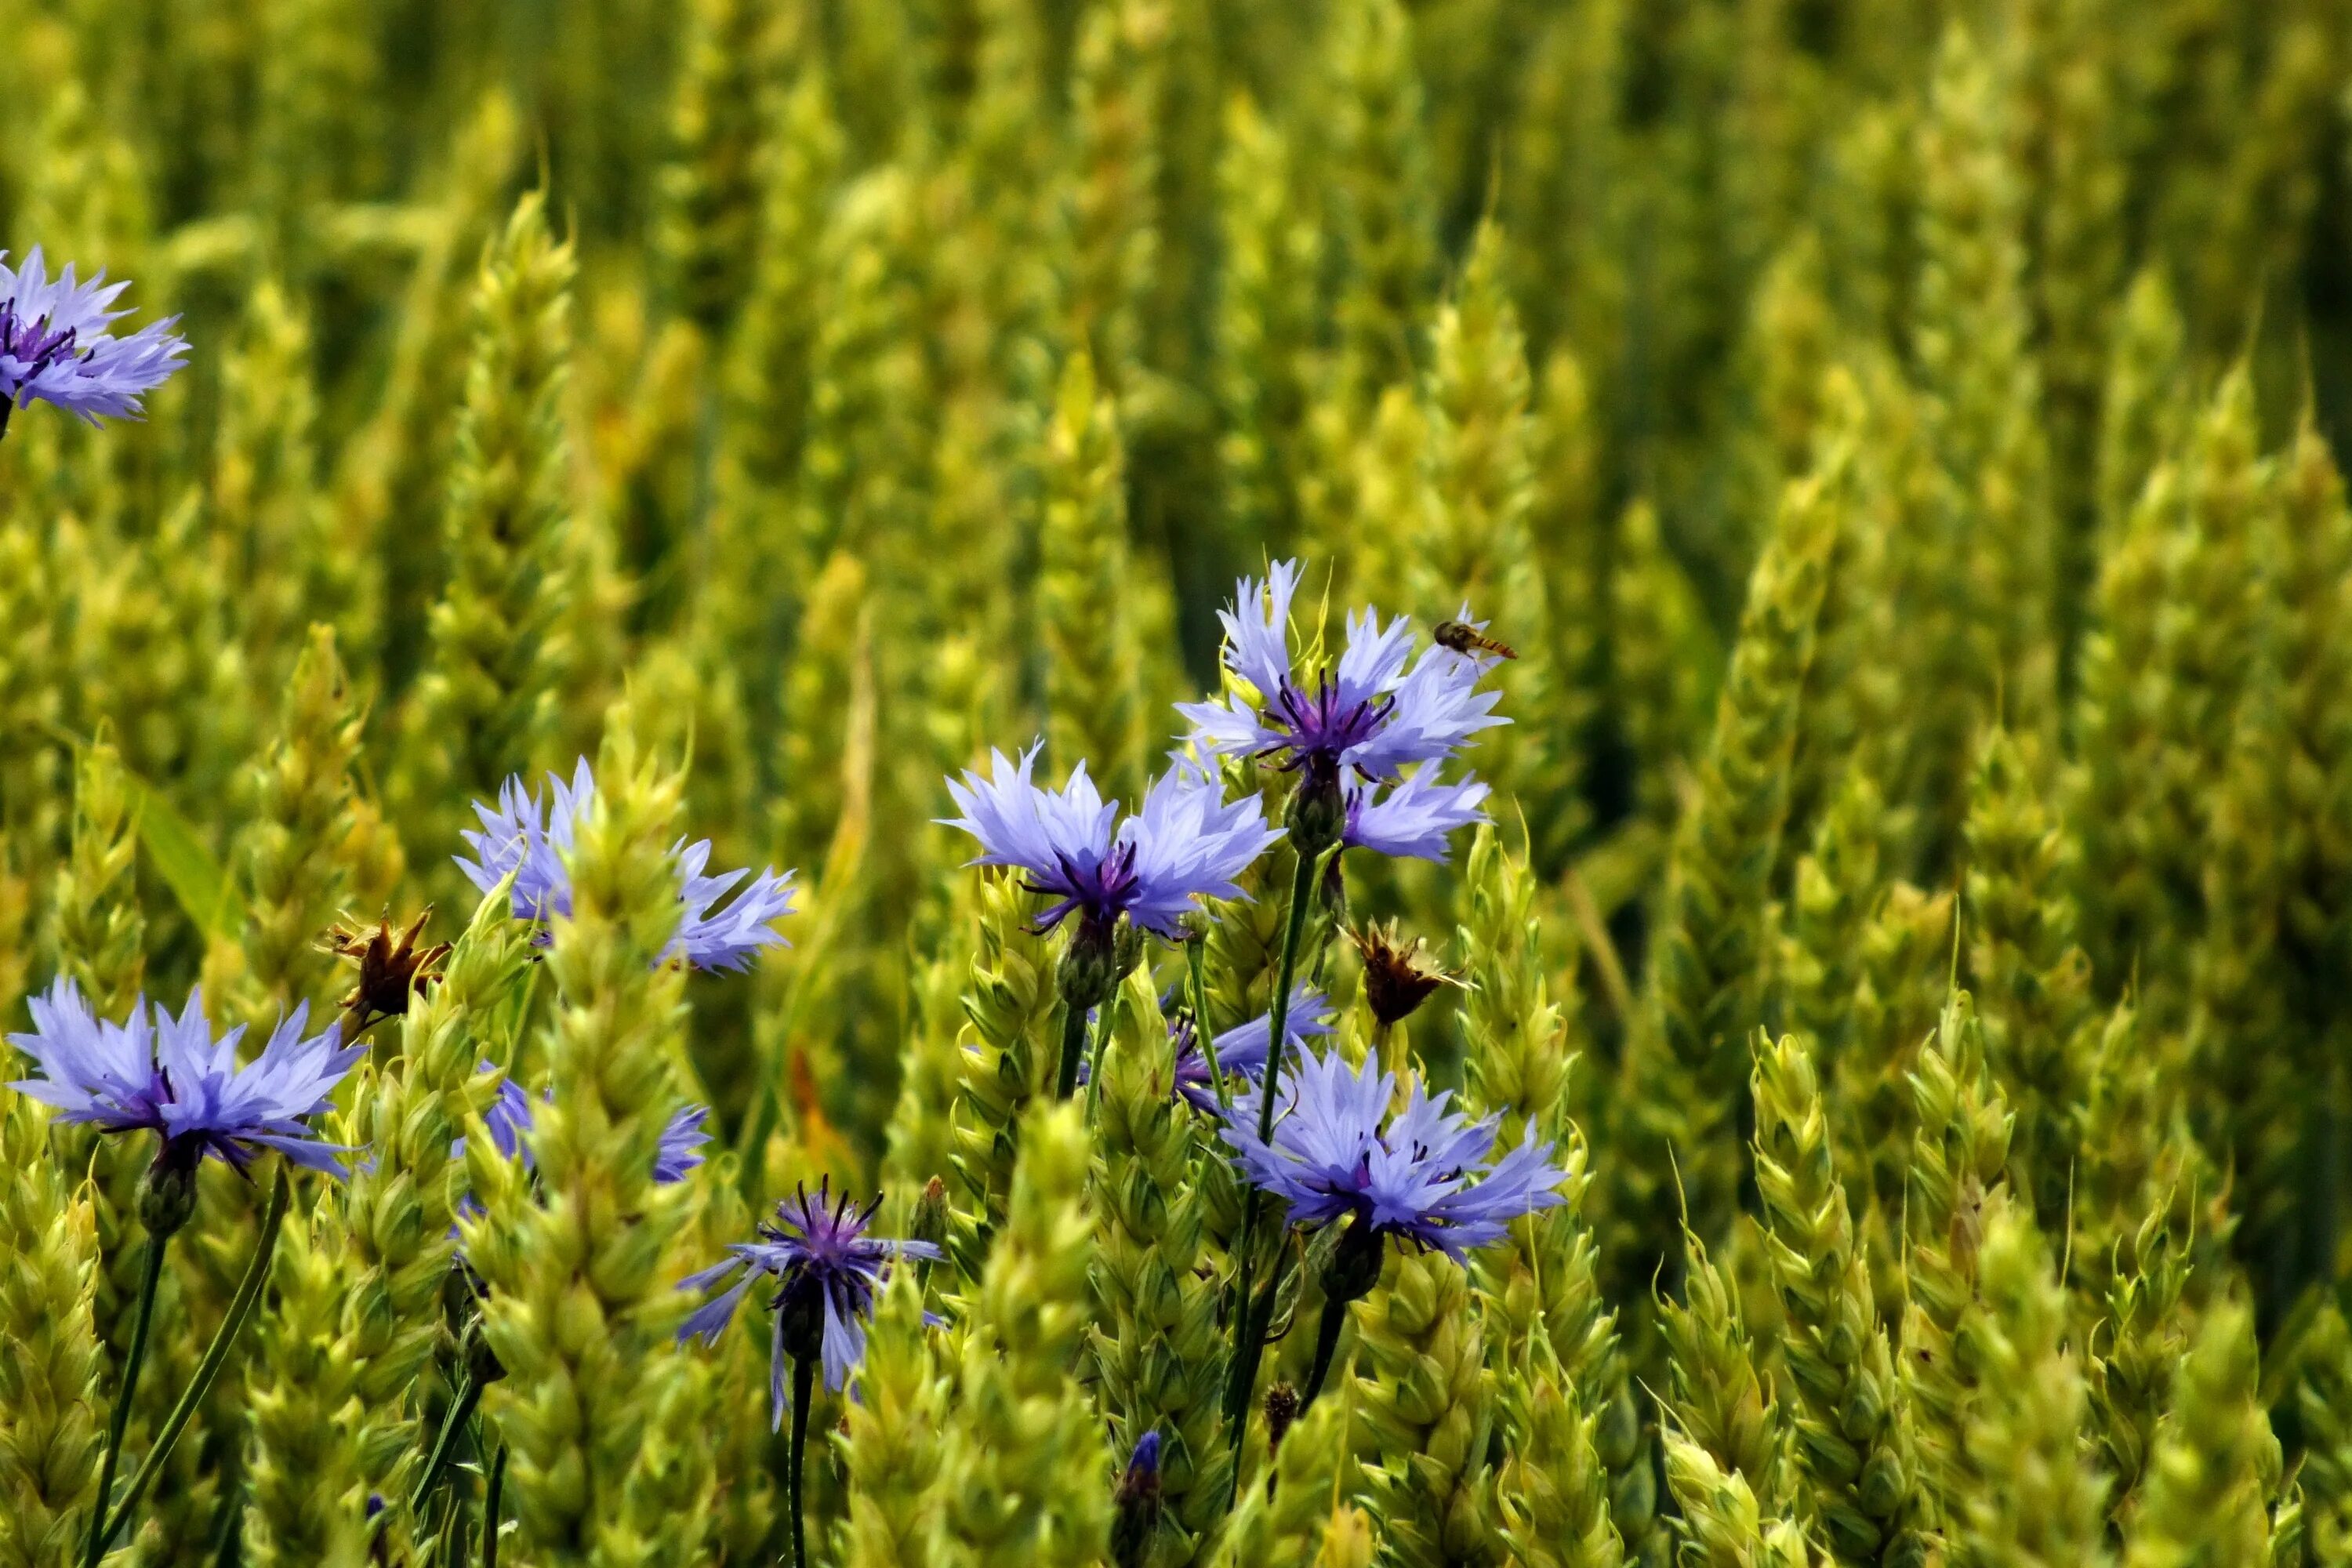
<point x="1464" y="638"/>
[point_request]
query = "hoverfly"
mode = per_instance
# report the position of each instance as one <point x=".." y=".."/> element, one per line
<point x="1464" y="638"/>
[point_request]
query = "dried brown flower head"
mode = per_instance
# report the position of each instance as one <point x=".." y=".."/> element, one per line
<point x="392" y="967"/>
<point x="1397" y="976"/>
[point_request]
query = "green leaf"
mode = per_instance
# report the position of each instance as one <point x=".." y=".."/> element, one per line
<point x="187" y="868"/>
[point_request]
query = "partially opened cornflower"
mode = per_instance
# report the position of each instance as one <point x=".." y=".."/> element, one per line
<point x="827" y="1271"/>
<point x="1370" y="716"/>
<point x="55" y="348"/>
<point x="1149" y="869"/>
<point x="1240" y="1050"/>
<point x="510" y="1120"/>
<point x="1135" y="1509"/>
<point x="531" y="840"/>
<point x="1423" y="1176"/>
<point x="171" y="1077"/>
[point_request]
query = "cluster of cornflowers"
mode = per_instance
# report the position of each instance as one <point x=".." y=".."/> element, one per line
<point x="174" y="1078"/>
<point x="1367" y="740"/>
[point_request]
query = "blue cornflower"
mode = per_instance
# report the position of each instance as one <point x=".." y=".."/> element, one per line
<point x="170" y="1076"/>
<point x="826" y="1270"/>
<point x="54" y="346"/>
<point x="1188" y="842"/>
<point x="510" y="1119"/>
<point x="532" y="841"/>
<point x="1423" y="1175"/>
<point x="1374" y="715"/>
<point x="1241" y="1050"/>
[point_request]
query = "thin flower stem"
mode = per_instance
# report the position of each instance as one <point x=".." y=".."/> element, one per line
<point x="803" y="1386"/>
<point x="1196" y="958"/>
<point x="492" y="1496"/>
<point x="1327" y="1342"/>
<point x="150" y="1276"/>
<point x="1249" y="1342"/>
<point x="1074" y="1047"/>
<point x="469" y="1394"/>
<point x="1103" y="1027"/>
<point x="240" y="1308"/>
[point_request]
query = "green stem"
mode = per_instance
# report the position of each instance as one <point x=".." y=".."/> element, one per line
<point x="240" y="1308"/>
<point x="1196" y="959"/>
<point x="469" y="1394"/>
<point x="1327" y="1340"/>
<point x="1103" y="1027"/>
<point x="150" y="1276"/>
<point x="803" y="1385"/>
<point x="1249" y="1342"/>
<point x="492" y="1496"/>
<point x="1074" y="1046"/>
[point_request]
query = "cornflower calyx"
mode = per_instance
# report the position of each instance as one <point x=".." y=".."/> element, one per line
<point x="531" y="842"/>
<point x="54" y="346"/>
<point x="170" y="1076"/>
<point x="392" y="967"/>
<point x="827" y="1271"/>
<point x="1397" y="978"/>
<point x="167" y="1192"/>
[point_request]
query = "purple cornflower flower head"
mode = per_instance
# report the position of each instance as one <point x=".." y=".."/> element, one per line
<point x="826" y="1270"/>
<point x="1423" y="1176"/>
<point x="1373" y="714"/>
<point x="531" y="840"/>
<point x="1414" y="817"/>
<point x="170" y="1076"/>
<point x="55" y="348"/>
<point x="1188" y="842"/>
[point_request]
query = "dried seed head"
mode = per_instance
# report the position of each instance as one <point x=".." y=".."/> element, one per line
<point x="1398" y="977"/>
<point x="392" y="967"/>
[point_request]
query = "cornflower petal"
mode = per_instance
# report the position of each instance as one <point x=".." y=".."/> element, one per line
<point x="1414" y="817"/>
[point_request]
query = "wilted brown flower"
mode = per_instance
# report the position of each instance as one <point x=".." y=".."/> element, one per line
<point x="1398" y="978"/>
<point x="392" y="967"/>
